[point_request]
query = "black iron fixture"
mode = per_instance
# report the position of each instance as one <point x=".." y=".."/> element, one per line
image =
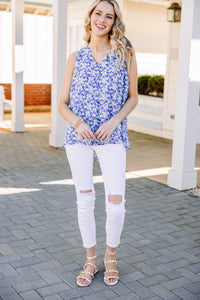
<point x="174" y="13"/>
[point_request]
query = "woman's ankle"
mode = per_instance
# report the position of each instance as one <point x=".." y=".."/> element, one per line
<point x="110" y="251"/>
<point x="90" y="253"/>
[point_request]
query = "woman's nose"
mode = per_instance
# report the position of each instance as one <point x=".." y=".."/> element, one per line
<point x="102" y="19"/>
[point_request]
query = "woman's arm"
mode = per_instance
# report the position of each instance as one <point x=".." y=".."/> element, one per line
<point x="106" y="129"/>
<point x="83" y="129"/>
<point x="63" y="107"/>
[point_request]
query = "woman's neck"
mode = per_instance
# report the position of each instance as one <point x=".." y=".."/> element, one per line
<point x="99" y="44"/>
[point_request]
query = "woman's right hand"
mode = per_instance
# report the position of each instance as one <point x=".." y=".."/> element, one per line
<point x="85" y="132"/>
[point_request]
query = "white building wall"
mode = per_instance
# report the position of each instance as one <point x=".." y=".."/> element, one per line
<point x="146" y="27"/>
<point x="37" y="48"/>
<point x="171" y="79"/>
<point x="5" y="47"/>
<point x="149" y="38"/>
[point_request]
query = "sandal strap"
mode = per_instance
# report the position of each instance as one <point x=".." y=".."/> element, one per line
<point x="91" y="264"/>
<point x="91" y="257"/>
<point x="110" y="277"/>
<point x="83" y="277"/>
<point x="111" y="253"/>
<point x="87" y="272"/>
<point x="109" y="271"/>
<point x="111" y="261"/>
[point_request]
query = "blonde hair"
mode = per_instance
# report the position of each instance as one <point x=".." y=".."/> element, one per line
<point x="117" y="35"/>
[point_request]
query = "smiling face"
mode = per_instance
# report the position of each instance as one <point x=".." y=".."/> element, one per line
<point x="102" y="18"/>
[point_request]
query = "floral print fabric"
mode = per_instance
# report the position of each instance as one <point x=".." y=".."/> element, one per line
<point x="98" y="92"/>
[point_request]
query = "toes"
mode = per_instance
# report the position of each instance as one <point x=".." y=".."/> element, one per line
<point x="82" y="281"/>
<point x="111" y="280"/>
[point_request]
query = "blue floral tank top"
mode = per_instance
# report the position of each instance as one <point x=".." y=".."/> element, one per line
<point x="98" y="92"/>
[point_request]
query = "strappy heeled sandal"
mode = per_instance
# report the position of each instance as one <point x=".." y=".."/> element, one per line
<point x="106" y="275"/>
<point x="81" y="275"/>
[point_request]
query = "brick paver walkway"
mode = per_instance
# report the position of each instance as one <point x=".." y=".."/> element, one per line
<point x="40" y="247"/>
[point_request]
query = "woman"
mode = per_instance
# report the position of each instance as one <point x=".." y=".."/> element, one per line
<point x="99" y="91"/>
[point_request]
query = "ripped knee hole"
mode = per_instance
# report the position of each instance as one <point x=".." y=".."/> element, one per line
<point x="116" y="199"/>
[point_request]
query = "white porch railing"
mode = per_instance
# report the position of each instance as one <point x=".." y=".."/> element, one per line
<point x="5" y="104"/>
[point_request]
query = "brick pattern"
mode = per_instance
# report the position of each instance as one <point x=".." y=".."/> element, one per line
<point x="37" y="94"/>
<point x="34" y="94"/>
<point x="41" y="251"/>
<point x="7" y="89"/>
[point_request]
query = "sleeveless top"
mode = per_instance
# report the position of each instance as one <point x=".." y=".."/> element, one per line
<point x="98" y="92"/>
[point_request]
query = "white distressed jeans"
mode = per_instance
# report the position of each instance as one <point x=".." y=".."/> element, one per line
<point x="112" y="159"/>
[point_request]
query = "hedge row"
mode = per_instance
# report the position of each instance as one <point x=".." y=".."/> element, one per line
<point x="151" y="85"/>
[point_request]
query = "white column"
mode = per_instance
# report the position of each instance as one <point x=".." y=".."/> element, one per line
<point x="17" y="124"/>
<point x="59" y="63"/>
<point x="182" y="175"/>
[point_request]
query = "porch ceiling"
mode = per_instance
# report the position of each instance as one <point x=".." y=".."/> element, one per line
<point x="44" y="7"/>
<point x="36" y="7"/>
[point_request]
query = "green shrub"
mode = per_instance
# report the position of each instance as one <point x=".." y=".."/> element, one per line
<point x="151" y="85"/>
<point x="156" y="85"/>
<point x="143" y="84"/>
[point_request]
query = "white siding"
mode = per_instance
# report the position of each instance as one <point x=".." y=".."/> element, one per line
<point x="37" y="48"/>
<point x="146" y="27"/>
<point x="5" y="47"/>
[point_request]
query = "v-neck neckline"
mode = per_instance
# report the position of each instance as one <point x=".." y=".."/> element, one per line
<point x="102" y="59"/>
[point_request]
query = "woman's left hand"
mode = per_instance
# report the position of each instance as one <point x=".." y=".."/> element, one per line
<point x="105" y="130"/>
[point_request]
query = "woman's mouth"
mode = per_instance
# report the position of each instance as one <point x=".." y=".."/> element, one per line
<point x="100" y="27"/>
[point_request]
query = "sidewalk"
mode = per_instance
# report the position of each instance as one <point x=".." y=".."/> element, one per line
<point x="149" y="156"/>
<point x="40" y="246"/>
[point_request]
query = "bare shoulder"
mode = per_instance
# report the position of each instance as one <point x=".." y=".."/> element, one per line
<point x="72" y="58"/>
<point x="73" y="55"/>
<point x="130" y="59"/>
<point x="130" y="53"/>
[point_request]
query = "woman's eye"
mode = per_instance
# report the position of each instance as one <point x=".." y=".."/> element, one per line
<point x="98" y="14"/>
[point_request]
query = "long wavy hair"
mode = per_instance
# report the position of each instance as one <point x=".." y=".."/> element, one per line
<point x="117" y="34"/>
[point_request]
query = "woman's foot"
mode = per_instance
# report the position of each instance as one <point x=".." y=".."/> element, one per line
<point x="89" y="270"/>
<point x="111" y="274"/>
